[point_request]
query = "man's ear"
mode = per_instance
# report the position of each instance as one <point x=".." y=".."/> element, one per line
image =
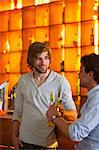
<point x="90" y="74"/>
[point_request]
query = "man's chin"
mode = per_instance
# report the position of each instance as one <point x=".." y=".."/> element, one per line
<point x="42" y="71"/>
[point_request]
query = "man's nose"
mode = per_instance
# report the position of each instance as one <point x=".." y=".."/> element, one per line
<point x="43" y="61"/>
<point x="78" y="73"/>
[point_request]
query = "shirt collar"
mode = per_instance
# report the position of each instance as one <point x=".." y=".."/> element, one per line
<point x="90" y="92"/>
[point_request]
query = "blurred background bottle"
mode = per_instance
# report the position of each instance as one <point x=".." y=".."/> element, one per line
<point x="92" y="37"/>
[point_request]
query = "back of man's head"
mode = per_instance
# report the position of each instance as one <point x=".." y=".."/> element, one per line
<point x="91" y="63"/>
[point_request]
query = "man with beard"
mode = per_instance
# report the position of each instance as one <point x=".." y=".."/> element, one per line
<point x="35" y="91"/>
<point x="85" y="129"/>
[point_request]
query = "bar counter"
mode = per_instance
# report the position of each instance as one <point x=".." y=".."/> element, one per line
<point x="6" y="128"/>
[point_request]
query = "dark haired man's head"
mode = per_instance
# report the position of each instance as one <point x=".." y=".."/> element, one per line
<point x="91" y="63"/>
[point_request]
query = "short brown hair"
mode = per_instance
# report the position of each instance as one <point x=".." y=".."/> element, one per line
<point x="35" y="49"/>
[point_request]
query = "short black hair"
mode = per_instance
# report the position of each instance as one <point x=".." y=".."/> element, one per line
<point x="91" y="63"/>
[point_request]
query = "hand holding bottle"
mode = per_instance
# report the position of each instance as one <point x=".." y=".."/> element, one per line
<point x="57" y="105"/>
<point x="50" y="123"/>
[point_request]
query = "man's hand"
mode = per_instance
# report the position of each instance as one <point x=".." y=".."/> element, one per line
<point x="15" y="135"/>
<point x="52" y="111"/>
<point x="16" y="142"/>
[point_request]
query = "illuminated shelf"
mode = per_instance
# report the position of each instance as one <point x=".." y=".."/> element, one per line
<point x="62" y="23"/>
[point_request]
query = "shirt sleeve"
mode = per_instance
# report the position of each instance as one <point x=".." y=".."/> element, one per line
<point x="85" y="124"/>
<point x="18" y="107"/>
<point x="66" y="97"/>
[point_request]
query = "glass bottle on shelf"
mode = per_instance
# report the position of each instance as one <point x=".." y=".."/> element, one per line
<point x="63" y="14"/>
<point x="46" y="39"/>
<point x="6" y="46"/>
<point x="4" y="95"/>
<point x="92" y="37"/>
<point x="75" y="40"/>
<point x="7" y="67"/>
<point x="60" y="39"/>
<point x="15" y="3"/>
<point x="31" y="39"/>
<point x="14" y="91"/>
<point x="12" y="5"/>
<point x="10" y="100"/>
<point x="62" y="66"/>
<point x="19" y="43"/>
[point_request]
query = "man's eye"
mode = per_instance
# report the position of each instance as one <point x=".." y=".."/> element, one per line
<point x="37" y="58"/>
<point x="46" y="57"/>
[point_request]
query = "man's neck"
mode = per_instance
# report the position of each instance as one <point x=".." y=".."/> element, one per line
<point x="92" y="85"/>
<point x="40" y="77"/>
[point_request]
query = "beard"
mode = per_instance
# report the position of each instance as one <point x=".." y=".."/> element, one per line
<point x="41" y="70"/>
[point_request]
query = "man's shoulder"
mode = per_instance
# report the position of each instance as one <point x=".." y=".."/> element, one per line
<point x="56" y="74"/>
<point x="26" y="75"/>
<point x="58" y="77"/>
